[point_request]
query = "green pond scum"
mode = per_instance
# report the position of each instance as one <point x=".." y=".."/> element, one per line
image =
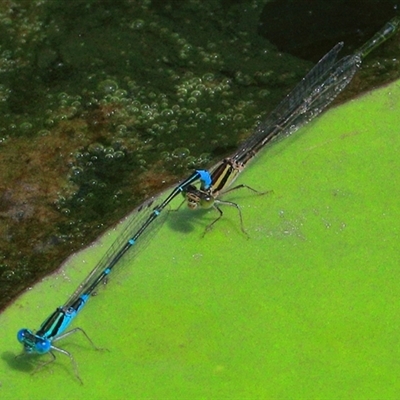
<point x="104" y="103"/>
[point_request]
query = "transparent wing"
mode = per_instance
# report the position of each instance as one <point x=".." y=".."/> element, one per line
<point x="314" y="93"/>
<point x="129" y="242"/>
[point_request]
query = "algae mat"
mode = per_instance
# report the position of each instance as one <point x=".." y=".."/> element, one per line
<point x="306" y="308"/>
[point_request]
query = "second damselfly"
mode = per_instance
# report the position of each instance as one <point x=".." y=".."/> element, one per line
<point x="325" y="81"/>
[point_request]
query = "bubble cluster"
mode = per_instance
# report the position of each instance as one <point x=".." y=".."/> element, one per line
<point x="111" y="110"/>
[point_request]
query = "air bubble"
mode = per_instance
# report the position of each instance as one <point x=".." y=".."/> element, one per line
<point x="77" y="171"/>
<point x="238" y="117"/>
<point x="201" y="115"/>
<point x="167" y="112"/>
<point x="191" y="161"/>
<point x="120" y="93"/>
<point x="204" y="158"/>
<point x="26" y="126"/>
<point x="264" y="93"/>
<point x="107" y="86"/>
<point x="62" y="96"/>
<point x="96" y="148"/>
<point x="181" y="152"/>
<point x="208" y="77"/>
<point x="137" y="25"/>
<point x="119" y="154"/>
<point x="122" y="129"/>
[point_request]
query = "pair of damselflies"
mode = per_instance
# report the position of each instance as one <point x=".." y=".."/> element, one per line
<point x="310" y="97"/>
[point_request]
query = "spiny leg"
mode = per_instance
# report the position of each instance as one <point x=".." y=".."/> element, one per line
<point x="66" y="334"/>
<point x="243" y="186"/>
<point x="68" y="354"/>
<point x="227" y="203"/>
<point x="180" y="205"/>
<point x="209" y="227"/>
<point x="53" y="358"/>
<point x="73" y="362"/>
<point x="232" y="204"/>
<point x="65" y="352"/>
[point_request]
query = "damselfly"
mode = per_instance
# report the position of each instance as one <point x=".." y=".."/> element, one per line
<point x="314" y="93"/>
<point x="54" y="328"/>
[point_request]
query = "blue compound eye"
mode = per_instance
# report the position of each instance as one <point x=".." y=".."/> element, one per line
<point x="21" y="335"/>
<point x="42" y="346"/>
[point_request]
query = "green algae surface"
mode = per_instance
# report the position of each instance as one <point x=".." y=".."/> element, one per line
<point x="305" y="308"/>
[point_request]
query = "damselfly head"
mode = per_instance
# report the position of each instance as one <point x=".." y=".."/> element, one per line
<point x="206" y="200"/>
<point x="199" y="198"/>
<point x="33" y="343"/>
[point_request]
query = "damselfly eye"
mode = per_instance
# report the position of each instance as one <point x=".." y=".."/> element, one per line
<point x="207" y="201"/>
<point x="42" y="346"/>
<point x="22" y="334"/>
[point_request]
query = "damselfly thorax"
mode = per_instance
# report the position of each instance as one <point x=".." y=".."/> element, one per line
<point x="222" y="177"/>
